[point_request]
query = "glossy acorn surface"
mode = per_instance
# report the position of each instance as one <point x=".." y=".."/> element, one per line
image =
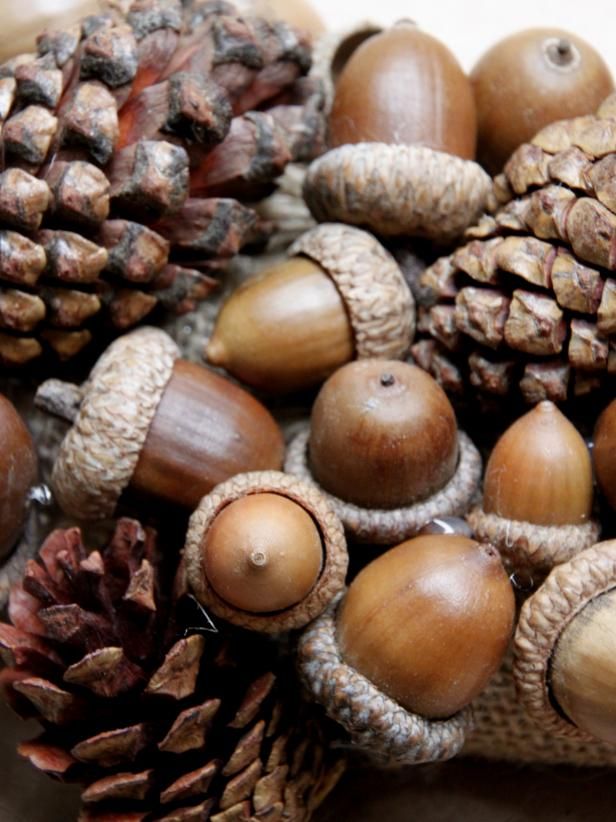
<point x="428" y="622"/>
<point x="404" y="86"/>
<point x="18" y="469"/>
<point x="531" y="79"/>
<point x="383" y="434"/>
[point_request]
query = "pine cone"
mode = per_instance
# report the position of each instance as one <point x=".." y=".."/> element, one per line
<point x="131" y="144"/>
<point x="158" y="718"/>
<point x="529" y="303"/>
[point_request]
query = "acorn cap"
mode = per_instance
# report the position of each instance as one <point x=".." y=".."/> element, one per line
<point x="398" y="190"/>
<point x="100" y="452"/>
<point x="379" y="303"/>
<point x="335" y="557"/>
<point x="543" y="618"/>
<point x="386" y="527"/>
<point x="528" y="547"/>
<point x="376" y="723"/>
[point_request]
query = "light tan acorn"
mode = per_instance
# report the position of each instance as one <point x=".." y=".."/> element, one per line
<point x="384" y="445"/>
<point x="529" y="80"/>
<point x="565" y="669"/>
<point x="161" y="425"/>
<point x="265" y="551"/>
<point x="538" y="492"/>
<point x="424" y="627"/>
<point x="339" y="296"/>
<point x="402" y="119"/>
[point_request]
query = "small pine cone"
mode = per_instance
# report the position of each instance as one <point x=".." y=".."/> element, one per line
<point x="527" y="305"/>
<point x="159" y="715"/>
<point x="132" y="143"/>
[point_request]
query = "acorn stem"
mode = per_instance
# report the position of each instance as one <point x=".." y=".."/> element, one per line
<point x="62" y="399"/>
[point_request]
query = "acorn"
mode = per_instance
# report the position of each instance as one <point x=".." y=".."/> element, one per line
<point x="401" y="158"/>
<point x="565" y="651"/>
<point x="384" y="445"/>
<point x="537" y="493"/>
<point x="416" y="638"/>
<point x="18" y="488"/>
<point x="266" y="552"/>
<point x="604" y="453"/>
<point x="339" y="296"/>
<point x="529" y="80"/>
<point x="162" y="426"/>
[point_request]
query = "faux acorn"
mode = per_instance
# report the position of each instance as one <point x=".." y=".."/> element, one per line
<point x="266" y="552"/>
<point x="416" y="638"/>
<point x="565" y="653"/>
<point x="161" y="425"/>
<point x="402" y="123"/>
<point x="340" y="295"/>
<point x="604" y="453"/>
<point x="538" y="493"/>
<point x="529" y="80"/>
<point x="384" y="446"/>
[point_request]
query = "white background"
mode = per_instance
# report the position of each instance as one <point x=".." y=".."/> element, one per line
<point x="469" y="27"/>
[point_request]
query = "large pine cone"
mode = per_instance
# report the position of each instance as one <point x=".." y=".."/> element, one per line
<point x="159" y="719"/>
<point x="528" y="305"/>
<point x="132" y="143"/>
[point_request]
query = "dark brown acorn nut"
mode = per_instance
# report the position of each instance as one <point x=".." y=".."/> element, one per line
<point x="604" y="453"/>
<point x="531" y="79"/>
<point x="266" y="552"/>
<point x="424" y="627"/>
<point x="339" y="296"/>
<point x="17" y="476"/>
<point x="537" y="493"/>
<point x="383" y="444"/>
<point x="161" y="425"/>
<point x="565" y="649"/>
<point x="413" y="129"/>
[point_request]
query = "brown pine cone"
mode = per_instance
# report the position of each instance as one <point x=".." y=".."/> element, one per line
<point x="156" y="713"/>
<point x="528" y="304"/>
<point x="132" y="143"/>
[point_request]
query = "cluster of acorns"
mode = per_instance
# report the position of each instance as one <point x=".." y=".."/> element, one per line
<point x="399" y="656"/>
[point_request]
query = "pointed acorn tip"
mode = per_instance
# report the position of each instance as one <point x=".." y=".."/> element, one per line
<point x="216" y="352"/>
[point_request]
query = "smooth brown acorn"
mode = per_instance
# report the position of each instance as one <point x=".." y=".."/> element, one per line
<point x="17" y="474"/>
<point x="538" y="491"/>
<point x="265" y="551"/>
<point x="604" y="453"/>
<point x="456" y="604"/>
<point x="383" y="437"/>
<point x="531" y="79"/>
<point x="339" y="296"/>
<point x="403" y="117"/>
<point x="161" y="425"/>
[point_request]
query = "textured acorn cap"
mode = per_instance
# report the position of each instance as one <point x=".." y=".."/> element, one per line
<point x="375" y="723"/>
<point x="532" y="548"/>
<point x="379" y="303"/>
<point x="543" y="618"/>
<point x="335" y="557"/>
<point x="100" y="452"/>
<point x="386" y="527"/>
<point x="397" y="190"/>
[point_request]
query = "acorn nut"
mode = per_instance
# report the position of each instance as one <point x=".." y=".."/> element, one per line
<point x="565" y="648"/>
<point x="537" y="493"/>
<point x="529" y="80"/>
<point x="424" y="626"/>
<point x="265" y="551"/>
<point x="339" y="296"/>
<point x="413" y="130"/>
<point x="384" y="446"/>
<point x="161" y="425"/>
<point x="604" y="453"/>
<point x="17" y="488"/>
